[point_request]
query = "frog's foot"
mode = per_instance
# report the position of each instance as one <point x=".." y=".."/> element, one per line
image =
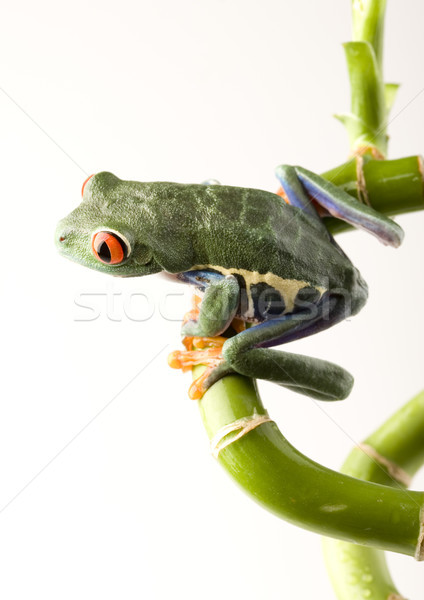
<point x="187" y="359"/>
<point x="210" y="376"/>
<point x="210" y="357"/>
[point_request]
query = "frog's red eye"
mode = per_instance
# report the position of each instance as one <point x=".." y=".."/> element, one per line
<point x="85" y="183"/>
<point x="109" y="248"/>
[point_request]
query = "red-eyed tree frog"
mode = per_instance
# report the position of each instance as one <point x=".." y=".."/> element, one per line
<point x="255" y="257"/>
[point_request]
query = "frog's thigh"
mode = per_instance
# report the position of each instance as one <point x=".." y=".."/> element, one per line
<point x="310" y="376"/>
<point x="339" y="204"/>
<point x="295" y="192"/>
<point x="217" y="310"/>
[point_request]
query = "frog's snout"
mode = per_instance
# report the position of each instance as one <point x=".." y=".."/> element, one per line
<point x="61" y="237"/>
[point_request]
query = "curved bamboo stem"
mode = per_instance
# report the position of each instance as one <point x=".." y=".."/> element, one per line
<point x="357" y="571"/>
<point x="300" y="490"/>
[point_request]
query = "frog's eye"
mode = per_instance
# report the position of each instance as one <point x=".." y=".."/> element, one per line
<point x="110" y="247"/>
<point x="85" y="183"/>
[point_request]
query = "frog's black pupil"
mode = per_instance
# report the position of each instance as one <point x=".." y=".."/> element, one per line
<point x="104" y="252"/>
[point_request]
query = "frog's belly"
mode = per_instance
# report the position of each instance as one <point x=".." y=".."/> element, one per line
<point x="265" y="295"/>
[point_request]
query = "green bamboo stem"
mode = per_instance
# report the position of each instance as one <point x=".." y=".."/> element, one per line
<point x="300" y="490"/>
<point x="392" y="187"/>
<point x="371" y="99"/>
<point x="368" y="25"/>
<point x="358" y="572"/>
<point x="366" y="123"/>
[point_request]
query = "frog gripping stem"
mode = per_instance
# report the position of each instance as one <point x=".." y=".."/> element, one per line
<point x="270" y="272"/>
<point x="210" y="356"/>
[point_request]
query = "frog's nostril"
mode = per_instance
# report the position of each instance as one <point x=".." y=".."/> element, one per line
<point x="61" y="235"/>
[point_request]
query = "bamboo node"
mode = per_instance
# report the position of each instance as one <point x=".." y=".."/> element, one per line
<point x="361" y="184"/>
<point x="361" y="150"/>
<point x="419" y="552"/>
<point x="243" y="426"/>
<point x="393" y="469"/>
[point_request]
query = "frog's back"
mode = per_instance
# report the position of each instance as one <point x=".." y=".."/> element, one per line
<point x="263" y="233"/>
<point x="255" y="235"/>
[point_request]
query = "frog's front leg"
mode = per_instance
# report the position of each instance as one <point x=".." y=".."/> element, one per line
<point x="211" y="317"/>
<point x="217" y="308"/>
<point x="247" y="354"/>
<point x="336" y="203"/>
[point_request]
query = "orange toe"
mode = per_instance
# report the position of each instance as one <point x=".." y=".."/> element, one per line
<point x="196" y="389"/>
<point x="186" y="359"/>
<point x="209" y="342"/>
<point x="193" y="314"/>
<point x="188" y="342"/>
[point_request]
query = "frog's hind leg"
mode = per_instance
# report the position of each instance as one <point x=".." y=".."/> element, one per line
<point x="295" y="193"/>
<point x="339" y="204"/>
<point x="248" y="354"/>
<point x="309" y="376"/>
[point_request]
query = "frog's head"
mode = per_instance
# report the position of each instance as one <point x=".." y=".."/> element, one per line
<point x="104" y="232"/>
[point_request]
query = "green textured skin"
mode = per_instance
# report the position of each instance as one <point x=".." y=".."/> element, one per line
<point x="219" y="306"/>
<point x="174" y="227"/>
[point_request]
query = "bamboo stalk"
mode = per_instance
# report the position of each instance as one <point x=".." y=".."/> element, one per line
<point x="392" y="187"/>
<point x="298" y="489"/>
<point x="368" y="25"/>
<point x="361" y="572"/>
<point x="371" y="98"/>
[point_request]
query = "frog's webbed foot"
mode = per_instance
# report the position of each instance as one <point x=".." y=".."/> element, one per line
<point x="209" y="354"/>
<point x="210" y="376"/>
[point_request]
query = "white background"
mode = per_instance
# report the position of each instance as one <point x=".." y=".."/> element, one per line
<point x="125" y="501"/>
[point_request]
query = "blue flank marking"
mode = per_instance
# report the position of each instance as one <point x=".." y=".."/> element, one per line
<point x="201" y="279"/>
